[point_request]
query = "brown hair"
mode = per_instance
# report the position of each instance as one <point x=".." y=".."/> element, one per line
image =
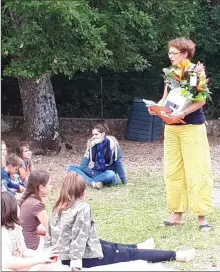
<point x="20" y="148"/>
<point x="72" y="188"/>
<point x="13" y="160"/>
<point x="36" y="178"/>
<point x="102" y="127"/>
<point x="183" y="45"/>
<point x="9" y="212"/>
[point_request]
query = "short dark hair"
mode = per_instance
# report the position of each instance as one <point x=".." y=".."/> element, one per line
<point x="9" y="215"/>
<point x="13" y="160"/>
<point x="20" y="147"/>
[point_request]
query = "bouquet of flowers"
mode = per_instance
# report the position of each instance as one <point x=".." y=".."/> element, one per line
<point x="190" y="82"/>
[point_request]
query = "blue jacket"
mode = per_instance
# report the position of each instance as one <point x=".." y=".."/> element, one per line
<point x="7" y="183"/>
<point x="115" y="160"/>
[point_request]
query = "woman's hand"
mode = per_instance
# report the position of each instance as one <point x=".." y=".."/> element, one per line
<point x="176" y="114"/>
<point x="151" y="112"/>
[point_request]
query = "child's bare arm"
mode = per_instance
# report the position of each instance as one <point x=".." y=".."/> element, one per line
<point x="43" y="218"/>
<point x="41" y="230"/>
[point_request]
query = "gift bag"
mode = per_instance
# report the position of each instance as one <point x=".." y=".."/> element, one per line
<point x="176" y="100"/>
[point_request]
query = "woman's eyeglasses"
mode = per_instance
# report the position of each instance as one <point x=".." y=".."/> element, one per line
<point x="173" y="53"/>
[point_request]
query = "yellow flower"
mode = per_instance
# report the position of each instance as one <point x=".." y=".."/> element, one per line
<point x="202" y="85"/>
<point x="183" y="64"/>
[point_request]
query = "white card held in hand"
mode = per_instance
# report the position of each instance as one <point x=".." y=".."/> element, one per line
<point x="149" y="102"/>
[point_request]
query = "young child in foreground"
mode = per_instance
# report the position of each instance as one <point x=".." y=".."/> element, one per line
<point x="72" y="230"/>
<point x="15" y="255"/>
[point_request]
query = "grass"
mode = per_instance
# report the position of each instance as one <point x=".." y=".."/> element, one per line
<point x="133" y="213"/>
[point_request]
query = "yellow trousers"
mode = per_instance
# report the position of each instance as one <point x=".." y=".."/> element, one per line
<point x="187" y="169"/>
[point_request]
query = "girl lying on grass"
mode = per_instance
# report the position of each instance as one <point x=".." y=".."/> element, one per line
<point x="72" y="230"/>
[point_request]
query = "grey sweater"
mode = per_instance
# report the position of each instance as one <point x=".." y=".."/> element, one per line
<point x="74" y="233"/>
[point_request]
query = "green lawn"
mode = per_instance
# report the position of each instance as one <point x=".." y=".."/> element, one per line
<point x="133" y="213"/>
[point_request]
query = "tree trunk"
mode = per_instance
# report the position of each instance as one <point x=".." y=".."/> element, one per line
<point x="41" y="125"/>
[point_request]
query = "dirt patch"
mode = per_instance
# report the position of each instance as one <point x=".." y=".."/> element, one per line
<point x="136" y="155"/>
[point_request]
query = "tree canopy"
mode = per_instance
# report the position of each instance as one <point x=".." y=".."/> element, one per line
<point x="112" y="39"/>
<point x="53" y="37"/>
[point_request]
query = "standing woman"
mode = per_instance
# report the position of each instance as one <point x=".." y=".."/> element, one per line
<point x="187" y="163"/>
<point x="33" y="215"/>
<point x="104" y="152"/>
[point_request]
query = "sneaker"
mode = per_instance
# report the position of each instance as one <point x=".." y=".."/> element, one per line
<point x="148" y="244"/>
<point x="93" y="184"/>
<point x="186" y="255"/>
<point x="98" y="185"/>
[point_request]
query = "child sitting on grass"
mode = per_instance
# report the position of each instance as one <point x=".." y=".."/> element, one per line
<point x="11" y="168"/>
<point x="72" y="230"/>
<point x="15" y="255"/>
<point x="4" y="154"/>
<point x="24" y="153"/>
<point x="33" y="216"/>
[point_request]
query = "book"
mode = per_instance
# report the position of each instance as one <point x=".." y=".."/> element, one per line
<point x="162" y="112"/>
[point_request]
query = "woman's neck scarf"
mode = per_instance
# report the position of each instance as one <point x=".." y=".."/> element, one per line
<point x="103" y="155"/>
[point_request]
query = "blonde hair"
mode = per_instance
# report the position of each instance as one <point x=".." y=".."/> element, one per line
<point x="183" y="45"/>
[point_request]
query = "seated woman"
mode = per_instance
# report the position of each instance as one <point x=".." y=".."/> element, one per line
<point x="33" y="216"/>
<point x="105" y="153"/>
<point x="72" y="230"/>
<point x="15" y="255"/>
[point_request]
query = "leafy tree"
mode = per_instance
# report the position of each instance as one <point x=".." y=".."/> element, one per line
<point x="207" y="37"/>
<point x="43" y="38"/>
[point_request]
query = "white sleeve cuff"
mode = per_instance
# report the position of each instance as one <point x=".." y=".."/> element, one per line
<point x="76" y="263"/>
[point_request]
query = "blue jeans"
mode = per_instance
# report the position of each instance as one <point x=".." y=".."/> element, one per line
<point x="90" y="175"/>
